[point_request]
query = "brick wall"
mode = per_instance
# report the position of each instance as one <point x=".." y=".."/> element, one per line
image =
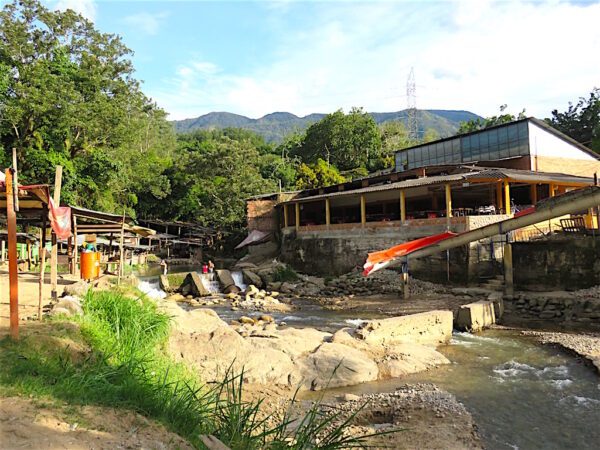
<point x="584" y="168"/>
<point x="262" y="215"/>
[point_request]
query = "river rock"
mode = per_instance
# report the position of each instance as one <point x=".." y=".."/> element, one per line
<point x="227" y="283"/>
<point x="69" y="306"/>
<point x="251" y="290"/>
<point x="78" y="289"/>
<point x="252" y="278"/>
<point x="245" y="319"/>
<point x="333" y="365"/>
<point x="433" y="327"/>
<point x="266" y="318"/>
<point x="163" y="282"/>
<point x="177" y="297"/>
<point x="404" y="359"/>
<point x="194" y="281"/>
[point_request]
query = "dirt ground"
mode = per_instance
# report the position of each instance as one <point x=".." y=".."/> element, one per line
<point x="28" y="296"/>
<point x="35" y="424"/>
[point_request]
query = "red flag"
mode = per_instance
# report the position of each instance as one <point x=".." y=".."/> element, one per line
<point x="60" y="219"/>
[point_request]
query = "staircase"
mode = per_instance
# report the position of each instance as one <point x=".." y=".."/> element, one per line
<point x="494" y="284"/>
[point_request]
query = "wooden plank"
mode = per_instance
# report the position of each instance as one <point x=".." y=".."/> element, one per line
<point x="402" y="205"/>
<point x="363" y="210"/>
<point x="327" y="213"/>
<point x="76" y="247"/>
<point x="285" y="216"/>
<point x="54" y="254"/>
<point x="11" y="225"/>
<point x="121" y="250"/>
<point x="42" y="268"/>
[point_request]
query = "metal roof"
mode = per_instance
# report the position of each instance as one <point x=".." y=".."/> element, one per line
<point x="528" y="176"/>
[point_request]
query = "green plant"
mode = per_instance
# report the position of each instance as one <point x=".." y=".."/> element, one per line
<point x="285" y="273"/>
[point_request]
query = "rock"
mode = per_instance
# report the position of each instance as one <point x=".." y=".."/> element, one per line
<point x="267" y="318"/>
<point x="333" y="365"/>
<point x="72" y="306"/>
<point x="245" y="319"/>
<point x="252" y="278"/>
<point x="194" y="281"/>
<point x="297" y="342"/>
<point x="287" y="288"/>
<point x="78" y="289"/>
<point x="131" y="280"/>
<point x="276" y="285"/>
<point x="475" y="316"/>
<point x="227" y="283"/>
<point x="350" y="397"/>
<point x="251" y="290"/>
<point x="433" y="327"/>
<point x="497" y="299"/>
<point x="60" y="312"/>
<point x="175" y="298"/>
<point x="163" y="282"/>
<point x="270" y="299"/>
<point x="274" y="294"/>
<point x="270" y="327"/>
<point x="404" y="359"/>
<point x="231" y="296"/>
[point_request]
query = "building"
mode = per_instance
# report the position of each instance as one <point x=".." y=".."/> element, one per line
<point x="458" y="183"/>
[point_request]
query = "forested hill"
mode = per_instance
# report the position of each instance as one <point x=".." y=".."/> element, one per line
<point x="273" y="127"/>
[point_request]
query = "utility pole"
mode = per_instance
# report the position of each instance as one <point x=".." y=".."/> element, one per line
<point x="54" y="253"/>
<point x="411" y="111"/>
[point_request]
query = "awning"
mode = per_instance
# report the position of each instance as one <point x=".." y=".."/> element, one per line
<point x="255" y="237"/>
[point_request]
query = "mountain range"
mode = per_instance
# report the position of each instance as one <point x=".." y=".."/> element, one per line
<point x="275" y="126"/>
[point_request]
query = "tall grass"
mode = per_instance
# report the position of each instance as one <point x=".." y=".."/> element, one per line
<point x="128" y="368"/>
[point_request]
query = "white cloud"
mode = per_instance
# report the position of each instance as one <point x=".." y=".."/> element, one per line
<point x="87" y="8"/>
<point x="536" y="56"/>
<point x="145" y="22"/>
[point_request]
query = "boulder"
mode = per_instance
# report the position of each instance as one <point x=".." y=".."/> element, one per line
<point x="475" y="316"/>
<point x="497" y="299"/>
<point x="227" y="283"/>
<point x="175" y="297"/>
<point x="163" y="282"/>
<point x="404" y="359"/>
<point x="251" y="290"/>
<point x="197" y="288"/>
<point x="252" y="278"/>
<point x="333" y="365"/>
<point x="67" y="306"/>
<point x="131" y="280"/>
<point x="297" y="342"/>
<point x="433" y="327"/>
<point x="78" y="289"/>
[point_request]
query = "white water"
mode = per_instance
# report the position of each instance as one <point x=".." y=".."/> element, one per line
<point x="151" y="289"/>
<point x="238" y="278"/>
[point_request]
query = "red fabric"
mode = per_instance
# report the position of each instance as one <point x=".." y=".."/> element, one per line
<point x="525" y="212"/>
<point x="378" y="260"/>
<point x="60" y="220"/>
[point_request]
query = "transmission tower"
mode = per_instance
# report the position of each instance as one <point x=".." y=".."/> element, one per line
<point x="411" y="112"/>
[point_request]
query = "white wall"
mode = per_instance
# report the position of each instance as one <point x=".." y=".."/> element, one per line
<point x="543" y="143"/>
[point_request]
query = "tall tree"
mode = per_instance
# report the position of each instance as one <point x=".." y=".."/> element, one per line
<point x="581" y="121"/>
<point x="479" y="124"/>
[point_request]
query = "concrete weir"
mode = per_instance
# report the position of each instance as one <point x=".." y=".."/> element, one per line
<point x="475" y="316"/>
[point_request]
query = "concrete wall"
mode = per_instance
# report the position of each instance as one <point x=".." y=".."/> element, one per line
<point x="569" y="263"/>
<point x="262" y="215"/>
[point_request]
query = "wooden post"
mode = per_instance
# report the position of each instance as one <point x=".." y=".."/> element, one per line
<point x="363" y="210"/>
<point x="54" y="254"/>
<point x="42" y="267"/>
<point x="297" y="216"/>
<point x="499" y="197"/>
<point x="3" y="251"/>
<point x="11" y="225"/>
<point x="327" y="213"/>
<point x="534" y="194"/>
<point x="285" y="216"/>
<point x="508" y="271"/>
<point x="70" y="254"/>
<point x="121" y="250"/>
<point x="76" y="248"/>
<point x="507" y="196"/>
<point x="28" y="254"/>
<point x="551" y="187"/>
<point x="448" y="202"/>
<point x="402" y="205"/>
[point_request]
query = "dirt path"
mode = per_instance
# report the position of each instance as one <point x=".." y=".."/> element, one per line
<point x="33" y="424"/>
<point x="28" y="296"/>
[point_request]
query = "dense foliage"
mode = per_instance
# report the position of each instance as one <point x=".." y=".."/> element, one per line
<point x="581" y="121"/>
<point x="480" y="124"/>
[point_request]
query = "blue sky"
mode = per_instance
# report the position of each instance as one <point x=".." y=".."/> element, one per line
<point x="254" y="58"/>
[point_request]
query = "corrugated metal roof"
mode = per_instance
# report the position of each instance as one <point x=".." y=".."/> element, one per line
<point x="527" y="175"/>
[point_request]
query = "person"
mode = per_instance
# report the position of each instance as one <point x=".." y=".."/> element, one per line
<point x="204" y="268"/>
<point x="163" y="264"/>
<point x="211" y="266"/>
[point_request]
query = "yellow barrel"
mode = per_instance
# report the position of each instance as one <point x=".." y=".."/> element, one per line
<point x="90" y="265"/>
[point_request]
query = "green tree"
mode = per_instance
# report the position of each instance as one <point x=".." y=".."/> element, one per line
<point x="346" y="141"/>
<point x="581" y="121"/>
<point x="318" y="175"/>
<point x="480" y="124"/>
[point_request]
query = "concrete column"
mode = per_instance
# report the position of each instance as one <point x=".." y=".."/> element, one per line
<point x="508" y="271"/>
<point x="534" y="193"/>
<point x="402" y="205"/>
<point x="363" y="210"/>
<point x="507" y="196"/>
<point x="297" y="216"/>
<point x="2" y="251"/>
<point x="448" y="201"/>
<point x="285" y="216"/>
<point x="499" y="197"/>
<point x="551" y="187"/>
<point x="327" y="213"/>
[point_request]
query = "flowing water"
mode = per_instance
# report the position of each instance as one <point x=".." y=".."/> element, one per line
<point x="521" y="395"/>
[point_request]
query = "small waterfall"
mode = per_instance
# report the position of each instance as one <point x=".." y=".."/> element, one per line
<point x="238" y="278"/>
<point x="210" y="282"/>
<point x="151" y="289"/>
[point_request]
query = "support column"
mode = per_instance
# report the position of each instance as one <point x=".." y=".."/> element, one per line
<point x="42" y="267"/>
<point x="402" y="205"/>
<point x="534" y="194"/>
<point x="297" y="216"/>
<point x="448" y="202"/>
<point x="327" y="213"/>
<point x="285" y="216"/>
<point x="11" y="226"/>
<point x="508" y="271"/>
<point x="363" y="211"/>
<point x="507" y="196"/>
<point x="551" y="188"/>
<point x="54" y="254"/>
<point x="121" y="259"/>
<point x="499" y="205"/>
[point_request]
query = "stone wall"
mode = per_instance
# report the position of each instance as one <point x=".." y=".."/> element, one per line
<point x="563" y="309"/>
<point x="262" y="215"/>
<point x="563" y="262"/>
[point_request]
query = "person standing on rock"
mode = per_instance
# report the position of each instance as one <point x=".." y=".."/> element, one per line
<point x="163" y="264"/>
<point x="211" y="266"/>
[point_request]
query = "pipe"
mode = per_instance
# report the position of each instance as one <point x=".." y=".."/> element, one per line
<point x="578" y="200"/>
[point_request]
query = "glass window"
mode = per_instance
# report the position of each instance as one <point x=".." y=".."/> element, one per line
<point x="492" y="137"/>
<point x="483" y="140"/>
<point x="513" y="133"/>
<point x="502" y="135"/>
<point x="439" y="149"/>
<point x="523" y="131"/>
<point x="448" y="148"/>
<point x="503" y="149"/>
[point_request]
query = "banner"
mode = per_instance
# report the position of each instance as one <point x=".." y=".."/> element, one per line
<point x="60" y="220"/>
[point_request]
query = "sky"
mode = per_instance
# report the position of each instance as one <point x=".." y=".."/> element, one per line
<point x="255" y="58"/>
